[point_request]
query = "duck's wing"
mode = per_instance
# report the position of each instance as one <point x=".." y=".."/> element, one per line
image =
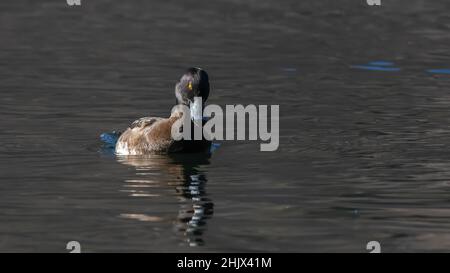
<point x="144" y="136"/>
<point x="144" y="122"/>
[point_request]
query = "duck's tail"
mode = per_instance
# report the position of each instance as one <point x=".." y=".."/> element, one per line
<point x="110" y="139"/>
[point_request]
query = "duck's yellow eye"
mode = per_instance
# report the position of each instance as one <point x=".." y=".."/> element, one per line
<point x="190" y="86"/>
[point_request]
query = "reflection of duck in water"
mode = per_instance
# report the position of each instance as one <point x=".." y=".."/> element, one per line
<point x="189" y="182"/>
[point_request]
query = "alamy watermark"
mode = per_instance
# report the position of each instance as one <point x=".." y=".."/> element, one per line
<point x="374" y="2"/>
<point x="374" y="247"/>
<point x="211" y="125"/>
<point x="74" y="2"/>
<point x="74" y="247"/>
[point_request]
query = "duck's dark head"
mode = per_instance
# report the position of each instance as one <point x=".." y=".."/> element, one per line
<point x="193" y="83"/>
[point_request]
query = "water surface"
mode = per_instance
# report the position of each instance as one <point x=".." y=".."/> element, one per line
<point x="364" y="154"/>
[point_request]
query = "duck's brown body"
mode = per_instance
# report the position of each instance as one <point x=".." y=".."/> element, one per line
<point x="152" y="135"/>
<point x="148" y="135"/>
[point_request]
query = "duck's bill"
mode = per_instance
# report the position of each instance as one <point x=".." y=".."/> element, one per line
<point x="196" y="109"/>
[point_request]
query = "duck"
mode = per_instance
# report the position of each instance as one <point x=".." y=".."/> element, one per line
<point x="152" y="135"/>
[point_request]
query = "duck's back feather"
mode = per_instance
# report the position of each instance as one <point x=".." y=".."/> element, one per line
<point x="144" y="122"/>
<point x="147" y="135"/>
<point x="152" y="135"/>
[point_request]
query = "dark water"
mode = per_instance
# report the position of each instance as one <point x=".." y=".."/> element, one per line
<point x="364" y="155"/>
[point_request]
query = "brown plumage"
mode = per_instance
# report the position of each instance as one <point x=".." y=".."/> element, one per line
<point x="148" y="135"/>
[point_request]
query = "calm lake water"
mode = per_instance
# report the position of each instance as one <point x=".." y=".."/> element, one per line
<point x="364" y="154"/>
